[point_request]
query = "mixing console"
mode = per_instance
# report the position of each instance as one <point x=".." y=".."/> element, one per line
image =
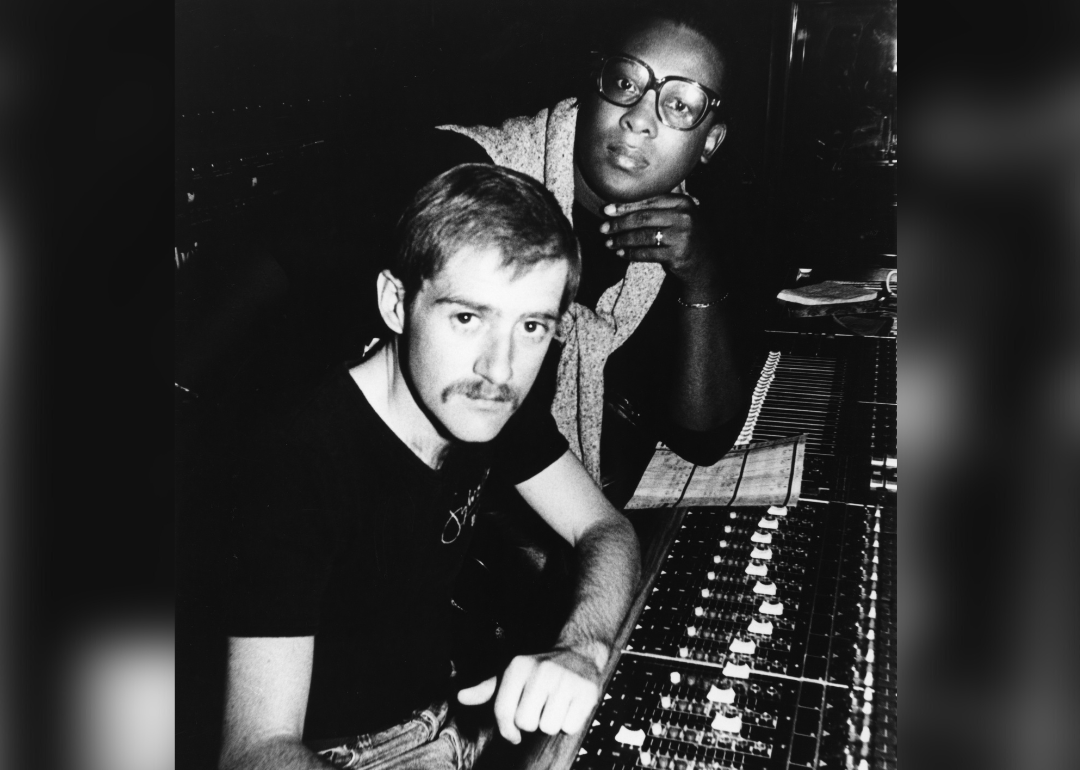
<point x="767" y="638"/>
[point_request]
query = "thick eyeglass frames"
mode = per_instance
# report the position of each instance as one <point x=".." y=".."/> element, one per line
<point x="681" y="103"/>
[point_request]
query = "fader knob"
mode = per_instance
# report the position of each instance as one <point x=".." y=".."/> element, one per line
<point x="768" y="522"/>
<point x="760" y="626"/>
<point x="743" y="645"/>
<point x="761" y="553"/>
<point x="728" y="719"/>
<point x="771" y="606"/>
<point x="725" y="693"/>
<point x="761" y="536"/>
<point x="765" y="587"/>
<point x="757" y="567"/>
<point x="778" y="510"/>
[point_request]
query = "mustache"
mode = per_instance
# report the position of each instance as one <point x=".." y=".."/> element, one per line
<point x="480" y="390"/>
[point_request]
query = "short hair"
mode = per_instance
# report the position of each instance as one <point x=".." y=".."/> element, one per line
<point x="481" y="205"/>
<point x="712" y="20"/>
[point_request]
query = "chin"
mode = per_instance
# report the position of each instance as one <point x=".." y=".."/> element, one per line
<point x="476" y="431"/>
<point x="616" y="186"/>
<point x="624" y="193"/>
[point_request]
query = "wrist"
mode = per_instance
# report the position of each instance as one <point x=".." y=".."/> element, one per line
<point x="705" y="291"/>
<point x="595" y="651"/>
<point x="704" y="284"/>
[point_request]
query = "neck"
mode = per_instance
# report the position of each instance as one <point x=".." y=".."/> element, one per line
<point x="382" y="381"/>
<point x="586" y="196"/>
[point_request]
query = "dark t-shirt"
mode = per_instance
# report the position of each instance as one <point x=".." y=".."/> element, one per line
<point x="343" y="533"/>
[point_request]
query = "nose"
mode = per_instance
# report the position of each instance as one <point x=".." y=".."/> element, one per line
<point x="495" y="362"/>
<point x="641" y="118"/>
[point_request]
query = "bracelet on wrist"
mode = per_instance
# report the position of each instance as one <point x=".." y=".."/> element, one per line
<point x="700" y="305"/>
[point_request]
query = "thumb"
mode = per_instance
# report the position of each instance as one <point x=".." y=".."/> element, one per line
<point x="479" y="693"/>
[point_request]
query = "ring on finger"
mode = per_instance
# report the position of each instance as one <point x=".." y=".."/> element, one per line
<point x="659" y="237"/>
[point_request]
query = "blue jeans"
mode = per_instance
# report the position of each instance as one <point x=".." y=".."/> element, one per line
<point x="427" y="741"/>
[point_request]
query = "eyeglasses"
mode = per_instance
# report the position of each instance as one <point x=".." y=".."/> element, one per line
<point x="681" y="103"/>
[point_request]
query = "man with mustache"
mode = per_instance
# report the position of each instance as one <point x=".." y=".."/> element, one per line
<point x="361" y="505"/>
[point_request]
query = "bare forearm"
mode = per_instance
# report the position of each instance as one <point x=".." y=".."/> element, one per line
<point x="266" y="694"/>
<point x="707" y="388"/>
<point x="609" y="567"/>
<point x="273" y="754"/>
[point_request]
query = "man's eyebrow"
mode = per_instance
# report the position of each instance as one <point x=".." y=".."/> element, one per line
<point x="455" y="300"/>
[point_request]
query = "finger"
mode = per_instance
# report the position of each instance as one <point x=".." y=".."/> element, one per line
<point x="479" y="693"/>
<point x="665" y="201"/>
<point x="534" y="697"/>
<point x="581" y="706"/>
<point x="558" y="702"/>
<point x="649" y="220"/>
<point x="643" y="239"/>
<point x="506" y="701"/>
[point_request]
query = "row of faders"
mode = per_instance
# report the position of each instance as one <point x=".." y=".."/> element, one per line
<point x="756" y="648"/>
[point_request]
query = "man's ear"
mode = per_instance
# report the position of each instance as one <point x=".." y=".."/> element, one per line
<point x="391" y="293"/>
<point x="716" y="135"/>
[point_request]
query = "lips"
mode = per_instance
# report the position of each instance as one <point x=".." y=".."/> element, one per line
<point x="490" y="403"/>
<point x="626" y="157"/>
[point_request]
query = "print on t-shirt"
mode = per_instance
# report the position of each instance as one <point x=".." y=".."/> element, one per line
<point x="462" y="516"/>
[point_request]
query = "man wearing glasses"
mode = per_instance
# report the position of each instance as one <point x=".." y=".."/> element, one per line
<point x="360" y="506"/>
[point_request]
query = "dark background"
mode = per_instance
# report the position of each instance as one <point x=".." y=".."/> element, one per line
<point x="291" y="121"/>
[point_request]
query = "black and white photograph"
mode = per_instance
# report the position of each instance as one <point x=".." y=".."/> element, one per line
<point x="535" y="370"/>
